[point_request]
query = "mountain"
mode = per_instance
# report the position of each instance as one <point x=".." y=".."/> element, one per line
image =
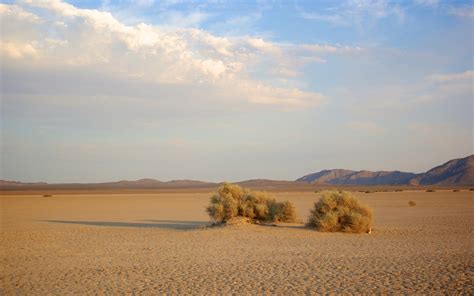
<point x="124" y="184"/>
<point x="266" y="184"/>
<point x="454" y="172"/>
<point x="325" y="176"/>
<point x="348" y="177"/>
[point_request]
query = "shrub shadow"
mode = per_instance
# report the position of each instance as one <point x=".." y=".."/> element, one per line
<point x="170" y="224"/>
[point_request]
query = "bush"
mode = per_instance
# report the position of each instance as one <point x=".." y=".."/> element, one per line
<point x="411" y="203"/>
<point x="340" y="211"/>
<point x="456" y="190"/>
<point x="430" y="190"/>
<point x="232" y="201"/>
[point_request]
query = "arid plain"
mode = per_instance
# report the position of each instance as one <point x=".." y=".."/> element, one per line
<point x="149" y="243"/>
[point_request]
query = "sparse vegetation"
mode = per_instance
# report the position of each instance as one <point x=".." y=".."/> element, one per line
<point x="368" y="191"/>
<point x="47" y="195"/>
<point x="340" y="212"/>
<point x="456" y="190"/>
<point x="411" y="203"/>
<point x="398" y="190"/>
<point x="430" y="190"/>
<point x="232" y="201"/>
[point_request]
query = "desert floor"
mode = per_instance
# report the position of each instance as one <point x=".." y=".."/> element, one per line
<point x="158" y="243"/>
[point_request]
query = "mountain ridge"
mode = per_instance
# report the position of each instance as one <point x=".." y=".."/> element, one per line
<point x="458" y="171"/>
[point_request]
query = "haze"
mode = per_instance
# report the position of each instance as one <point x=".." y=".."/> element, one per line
<point x="93" y="91"/>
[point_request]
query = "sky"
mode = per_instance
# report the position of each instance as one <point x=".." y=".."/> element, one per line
<point x="216" y="90"/>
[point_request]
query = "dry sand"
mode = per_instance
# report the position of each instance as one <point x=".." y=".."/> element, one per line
<point x="157" y="243"/>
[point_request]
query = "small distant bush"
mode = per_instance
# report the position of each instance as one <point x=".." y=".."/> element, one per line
<point x="232" y="201"/>
<point x="398" y="190"/>
<point x="47" y="195"/>
<point x="411" y="203"/>
<point x="456" y="190"/>
<point x="368" y="191"/>
<point x="430" y="190"/>
<point x="471" y="189"/>
<point x="340" y="212"/>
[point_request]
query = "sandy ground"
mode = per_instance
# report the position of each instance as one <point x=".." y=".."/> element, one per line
<point x="157" y="243"/>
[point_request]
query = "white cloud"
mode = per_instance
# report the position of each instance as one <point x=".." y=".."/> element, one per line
<point x="446" y="86"/>
<point x="427" y="2"/>
<point x="466" y="11"/>
<point x="93" y="39"/>
<point x="450" y="77"/>
<point x="17" y="51"/>
<point x="357" y="11"/>
<point x="324" y="48"/>
<point x="365" y="126"/>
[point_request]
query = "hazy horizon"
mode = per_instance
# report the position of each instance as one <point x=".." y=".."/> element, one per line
<point x="95" y="91"/>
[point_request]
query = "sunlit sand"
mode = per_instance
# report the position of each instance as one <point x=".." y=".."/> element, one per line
<point x="160" y="243"/>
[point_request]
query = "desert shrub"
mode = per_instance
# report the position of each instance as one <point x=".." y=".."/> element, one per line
<point x="281" y="211"/>
<point x="456" y="190"/>
<point x="430" y="190"/>
<point x="47" y="195"/>
<point x="340" y="211"/>
<point x="411" y="203"/>
<point x="368" y="191"/>
<point x="471" y="189"/>
<point x="398" y="190"/>
<point x="232" y="201"/>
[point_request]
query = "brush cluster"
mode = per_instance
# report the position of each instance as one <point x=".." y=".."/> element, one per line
<point x="340" y="212"/>
<point x="232" y="201"/>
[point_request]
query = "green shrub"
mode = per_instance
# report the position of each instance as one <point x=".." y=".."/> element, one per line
<point x="340" y="211"/>
<point x="232" y="201"/>
<point x="411" y="203"/>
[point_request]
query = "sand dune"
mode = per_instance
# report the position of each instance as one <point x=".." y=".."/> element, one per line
<point x="158" y="243"/>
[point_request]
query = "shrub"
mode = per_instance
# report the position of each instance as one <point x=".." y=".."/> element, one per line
<point x="456" y="190"/>
<point x="232" y="201"/>
<point x="47" y="195"/>
<point x="281" y="211"/>
<point x="340" y="211"/>
<point x="411" y="203"/>
<point x="430" y="190"/>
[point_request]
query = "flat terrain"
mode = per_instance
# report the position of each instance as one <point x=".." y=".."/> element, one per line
<point x="158" y="243"/>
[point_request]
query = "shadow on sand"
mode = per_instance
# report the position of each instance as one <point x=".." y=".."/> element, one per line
<point x="170" y="224"/>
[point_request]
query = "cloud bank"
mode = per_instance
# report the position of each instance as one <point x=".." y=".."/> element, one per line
<point x="39" y="37"/>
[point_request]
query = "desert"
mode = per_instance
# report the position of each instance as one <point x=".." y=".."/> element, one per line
<point x="236" y="147"/>
<point x="160" y="243"/>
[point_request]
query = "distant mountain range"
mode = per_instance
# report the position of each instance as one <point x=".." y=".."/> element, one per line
<point x="454" y="172"/>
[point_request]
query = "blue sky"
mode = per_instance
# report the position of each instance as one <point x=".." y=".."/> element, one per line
<point x="229" y="90"/>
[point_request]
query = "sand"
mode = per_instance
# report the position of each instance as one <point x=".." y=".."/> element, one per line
<point x="158" y="243"/>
